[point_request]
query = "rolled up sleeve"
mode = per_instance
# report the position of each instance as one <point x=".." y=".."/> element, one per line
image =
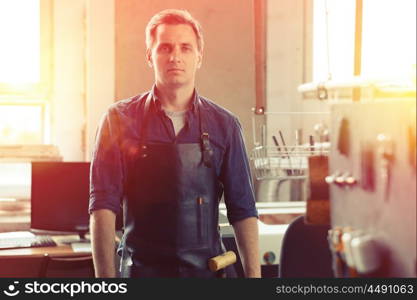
<point x="236" y="177"/>
<point x="106" y="173"/>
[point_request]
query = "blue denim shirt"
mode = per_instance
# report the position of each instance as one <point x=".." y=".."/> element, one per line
<point x="118" y="135"/>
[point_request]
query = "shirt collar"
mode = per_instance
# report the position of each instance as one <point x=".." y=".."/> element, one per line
<point x="157" y="102"/>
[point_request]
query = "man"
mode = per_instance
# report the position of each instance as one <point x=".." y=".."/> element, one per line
<point x="168" y="155"/>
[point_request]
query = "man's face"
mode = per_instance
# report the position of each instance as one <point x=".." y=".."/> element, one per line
<point x="174" y="55"/>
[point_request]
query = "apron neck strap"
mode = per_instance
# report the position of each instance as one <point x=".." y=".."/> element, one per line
<point x="205" y="138"/>
<point x="144" y="127"/>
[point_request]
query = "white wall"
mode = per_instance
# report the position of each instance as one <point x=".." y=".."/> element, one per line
<point x="83" y="72"/>
<point x="289" y="54"/>
<point x="284" y="65"/>
<point x="100" y="60"/>
<point x="68" y="113"/>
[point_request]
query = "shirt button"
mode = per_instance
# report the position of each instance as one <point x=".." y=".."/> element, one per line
<point x="144" y="155"/>
<point x="144" y="147"/>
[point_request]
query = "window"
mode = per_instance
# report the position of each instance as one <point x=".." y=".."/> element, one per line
<point x="25" y="35"/>
<point x="21" y="124"/>
<point x="388" y="39"/>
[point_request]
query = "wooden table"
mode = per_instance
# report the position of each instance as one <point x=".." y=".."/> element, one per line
<point x="27" y="262"/>
<point x="60" y="250"/>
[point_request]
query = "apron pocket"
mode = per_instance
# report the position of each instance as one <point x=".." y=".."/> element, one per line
<point x="193" y="224"/>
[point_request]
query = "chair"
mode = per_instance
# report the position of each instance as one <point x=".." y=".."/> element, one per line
<point x="305" y="251"/>
<point x="22" y="266"/>
<point x="80" y="266"/>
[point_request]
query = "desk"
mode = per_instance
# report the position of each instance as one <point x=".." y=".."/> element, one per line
<point x="28" y="262"/>
<point x="60" y="250"/>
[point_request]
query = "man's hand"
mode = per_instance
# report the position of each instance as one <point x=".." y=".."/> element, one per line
<point x="247" y="238"/>
<point x="103" y="232"/>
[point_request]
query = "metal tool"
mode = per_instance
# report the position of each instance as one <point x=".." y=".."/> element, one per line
<point x="276" y="143"/>
<point x="311" y="141"/>
<point x="283" y="143"/>
<point x="298" y="137"/>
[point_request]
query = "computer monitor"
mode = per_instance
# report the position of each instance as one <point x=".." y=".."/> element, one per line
<point x="60" y="196"/>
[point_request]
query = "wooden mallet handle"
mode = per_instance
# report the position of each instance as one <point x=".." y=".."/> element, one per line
<point x="221" y="261"/>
